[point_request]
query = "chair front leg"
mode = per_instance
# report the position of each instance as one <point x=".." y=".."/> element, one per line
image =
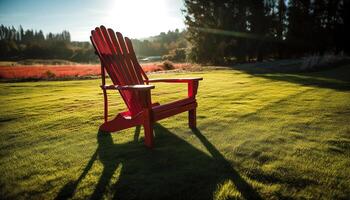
<point x="148" y="128"/>
<point x="145" y="97"/>
<point x="192" y="115"/>
<point x="192" y="88"/>
<point x="192" y="118"/>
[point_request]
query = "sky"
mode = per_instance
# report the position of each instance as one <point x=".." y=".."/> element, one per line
<point x="133" y="18"/>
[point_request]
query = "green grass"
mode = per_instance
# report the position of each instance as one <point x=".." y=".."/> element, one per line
<point x="269" y="136"/>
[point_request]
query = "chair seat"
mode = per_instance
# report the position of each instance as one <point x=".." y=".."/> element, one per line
<point x="159" y="109"/>
<point x="172" y="105"/>
<point x="170" y="109"/>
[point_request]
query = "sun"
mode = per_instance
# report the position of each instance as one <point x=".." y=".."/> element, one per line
<point x="137" y="18"/>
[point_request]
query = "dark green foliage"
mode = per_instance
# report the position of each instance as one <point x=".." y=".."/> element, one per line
<point x="28" y="44"/>
<point x="235" y="30"/>
<point x="226" y="31"/>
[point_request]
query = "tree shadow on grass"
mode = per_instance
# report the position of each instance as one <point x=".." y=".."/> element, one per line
<point x="174" y="169"/>
<point x="337" y="78"/>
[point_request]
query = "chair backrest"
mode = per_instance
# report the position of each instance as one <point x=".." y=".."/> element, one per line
<point x="118" y="58"/>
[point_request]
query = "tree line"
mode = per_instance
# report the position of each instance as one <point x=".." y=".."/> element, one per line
<point x="225" y="31"/>
<point x="171" y="45"/>
<point x="18" y="44"/>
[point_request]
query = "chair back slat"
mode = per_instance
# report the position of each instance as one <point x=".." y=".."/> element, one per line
<point x="102" y="52"/>
<point x="127" y="59"/>
<point x="119" y="60"/>
<point x="105" y="55"/>
<point x="137" y="67"/>
<point x="119" y="63"/>
<point x="123" y="65"/>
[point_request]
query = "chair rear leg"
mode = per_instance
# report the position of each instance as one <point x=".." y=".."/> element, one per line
<point x="192" y="118"/>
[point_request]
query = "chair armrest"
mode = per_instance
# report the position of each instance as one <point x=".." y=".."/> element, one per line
<point x="174" y="80"/>
<point x="127" y="87"/>
<point x="192" y="83"/>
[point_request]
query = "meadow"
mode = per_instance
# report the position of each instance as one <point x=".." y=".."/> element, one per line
<point x="260" y="135"/>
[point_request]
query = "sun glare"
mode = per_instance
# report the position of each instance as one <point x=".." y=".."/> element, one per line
<point x="138" y="19"/>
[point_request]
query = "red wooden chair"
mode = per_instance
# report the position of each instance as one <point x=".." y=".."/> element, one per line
<point x="118" y="59"/>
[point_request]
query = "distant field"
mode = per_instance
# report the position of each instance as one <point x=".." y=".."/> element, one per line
<point x="63" y="71"/>
<point x="40" y="72"/>
<point x="40" y="62"/>
<point x="260" y="136"/>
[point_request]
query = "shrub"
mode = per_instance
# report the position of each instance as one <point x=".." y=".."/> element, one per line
<point x="177" y="55"/>
<point x="167" y="65"/>
<point x="50" y="74"/>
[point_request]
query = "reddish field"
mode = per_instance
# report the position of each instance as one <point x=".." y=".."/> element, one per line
<point x="54" y="71"/>
<point x="20" y="72"/>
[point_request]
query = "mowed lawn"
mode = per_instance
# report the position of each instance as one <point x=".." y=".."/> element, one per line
<point x="260" y="136"/>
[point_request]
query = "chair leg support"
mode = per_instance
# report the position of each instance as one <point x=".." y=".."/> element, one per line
<point x="192" y="118"/>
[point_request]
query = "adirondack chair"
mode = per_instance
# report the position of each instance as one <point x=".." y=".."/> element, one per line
<point x="118" y="59"/>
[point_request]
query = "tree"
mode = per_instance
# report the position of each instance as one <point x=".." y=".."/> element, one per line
<point x="203" y="18"/>
<point x="281" y="26"/>
<point x="259" y="26"/>
<point x="222" y="31"/>
<point x="226" y="30"/>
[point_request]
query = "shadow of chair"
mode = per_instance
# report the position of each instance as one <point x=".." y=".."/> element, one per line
<point x="242" y="186"/>
<point x="174" y="169"/>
